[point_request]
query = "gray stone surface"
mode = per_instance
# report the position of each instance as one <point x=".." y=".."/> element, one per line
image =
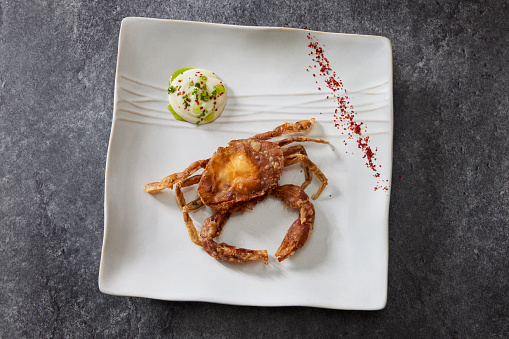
<point x="449" y="214"/>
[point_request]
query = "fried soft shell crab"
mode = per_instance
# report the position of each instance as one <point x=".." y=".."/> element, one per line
<point x="240" y="175"/>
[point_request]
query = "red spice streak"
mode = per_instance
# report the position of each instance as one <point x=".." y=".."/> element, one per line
<point x="343" y="115"/>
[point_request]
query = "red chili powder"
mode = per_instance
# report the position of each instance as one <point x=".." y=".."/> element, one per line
<point x="344" y="115"/>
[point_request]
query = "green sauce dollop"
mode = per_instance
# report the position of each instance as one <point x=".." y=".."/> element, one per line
<point x="173" y="76"/>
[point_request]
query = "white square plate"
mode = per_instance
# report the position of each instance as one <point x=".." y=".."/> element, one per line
<point x="147" y="251"/>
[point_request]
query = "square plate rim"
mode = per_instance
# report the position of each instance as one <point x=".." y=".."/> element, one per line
<point x="128" y="20"/>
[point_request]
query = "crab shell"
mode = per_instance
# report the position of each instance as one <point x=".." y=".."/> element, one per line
<point x="240" y="174"/>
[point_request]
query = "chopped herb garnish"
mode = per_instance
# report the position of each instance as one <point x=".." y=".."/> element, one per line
<point x="220" y="89"/>
<point x="203" y="77"/>
<point x="171" y="89"/>
<point x="197" y="85"/>
<point x="204" y="96"/>
<point x="198" y="122"/>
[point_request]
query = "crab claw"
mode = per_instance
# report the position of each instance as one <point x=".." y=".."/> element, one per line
<point x="295" y="238"/>
<point x="297" y="235"/>
<point x="170" y="180"/>
<point x="212" y="227"/>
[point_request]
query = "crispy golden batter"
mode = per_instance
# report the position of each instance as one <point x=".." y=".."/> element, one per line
<point x="297" y="235"/>
<point x="212" y="227"/>
<point x="243" y="171"/>
<point x="240" y="175"/>
<point x="294" y="197"/>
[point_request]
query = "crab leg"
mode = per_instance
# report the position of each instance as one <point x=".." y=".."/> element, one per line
<point x="294" y="197"/>
<point x="299" y="149"/>
<point x="296" y="158"/>
<point x="286" y="128"/>
<point x="193" y="205"/>
<point x="289" y="140"/>
<point x="190" y="181"/>
<point x="191" y="229"/>
<point x="211" y="229"/>
<point x="196" y="203"/>
<point x="170" y="180"/>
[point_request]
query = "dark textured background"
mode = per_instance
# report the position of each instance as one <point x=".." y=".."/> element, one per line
<point x="449" y="214"/>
